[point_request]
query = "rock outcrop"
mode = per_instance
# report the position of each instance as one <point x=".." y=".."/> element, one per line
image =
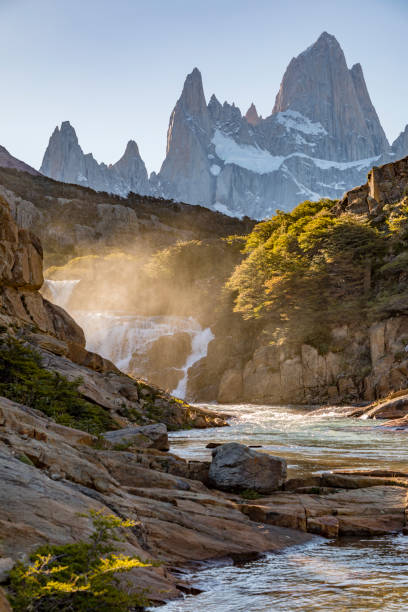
<point x="60" y="342"/>
<point x="53" y="475"/>
<point x="375" y="510"/>
<point x="21" y="276"/>
<point x="148" y="436"/>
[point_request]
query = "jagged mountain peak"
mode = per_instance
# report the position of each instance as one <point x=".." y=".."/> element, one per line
<point x="192" y="97"/>
<point x="64" y="160"/>
<point x="400" y="144"/>
<point x="252" y="115"/>
<point x="67" y="131"/>
<point x="321" y="139"/>
<point x="357" y="69"/>
<point x="327" y="38"/>
<point x="131" y="149"/>
<point x="318" y="85"/>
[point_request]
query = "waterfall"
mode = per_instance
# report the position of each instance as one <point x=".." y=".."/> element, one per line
<point x="117" y="336"/>
<point x="199" y="348"/>
<point x="60" y="290"/>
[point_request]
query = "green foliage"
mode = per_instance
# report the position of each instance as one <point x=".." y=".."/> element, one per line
<point x="188" y="263"/>
<point x="77" y="577"/>
<point x="24" y="380"/>
<point x="250" y="494"/>
<point x="24" y="459"/>
<point x="307" y="267"/>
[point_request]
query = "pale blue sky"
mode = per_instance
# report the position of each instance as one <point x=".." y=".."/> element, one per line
<point x="116" y="68"/>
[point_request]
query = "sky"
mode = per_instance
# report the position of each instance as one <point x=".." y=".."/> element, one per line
<point x="115" y="68"/>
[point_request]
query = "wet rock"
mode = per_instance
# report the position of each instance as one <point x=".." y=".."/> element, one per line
<point x="147" y="436"/>
<point x="235" y="467"/>
<point x="391" y="409"/>
<point x="359" y="512"/>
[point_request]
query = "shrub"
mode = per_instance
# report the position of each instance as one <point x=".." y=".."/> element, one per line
<point x="250" y="494"/>
<point x="79" y="576"/>
<point x="24" y="380"/>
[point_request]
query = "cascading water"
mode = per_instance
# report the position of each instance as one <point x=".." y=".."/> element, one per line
<point x="118" y="336"/>
<point x="200" y="344"/>
<point x="60" y="290"/>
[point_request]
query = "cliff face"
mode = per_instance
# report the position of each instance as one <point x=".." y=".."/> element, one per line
<point x="362" y="361"/>
<point x="318" y="85"/>
<point x="21" y="277"/>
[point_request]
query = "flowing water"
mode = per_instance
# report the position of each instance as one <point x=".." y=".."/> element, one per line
<point x="353" y="574"/>
<point x="359" y="574"/>
<point x="119" y="336"/>
<point x="60" y="290"/>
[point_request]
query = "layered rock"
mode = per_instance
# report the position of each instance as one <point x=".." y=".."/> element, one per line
<point x="21" y="277"/>
<point x="177" y="519"/>
<point x="374" y="510"/>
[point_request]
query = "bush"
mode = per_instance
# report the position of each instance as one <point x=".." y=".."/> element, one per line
<point x="24" y="380"/>
<point x="79" y="576"/>
<point x="250" y="494"/>
<point x="307" y="267"/>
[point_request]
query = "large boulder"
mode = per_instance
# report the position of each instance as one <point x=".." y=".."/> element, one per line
<point x="148" y="436"/>
<point x="235" y="467"/>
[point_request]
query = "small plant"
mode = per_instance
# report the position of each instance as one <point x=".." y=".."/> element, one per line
<point x="24" y="459"/>
<point x="77" y="577"/>
<point x="250" y="494"/>
<point x="24" y="380"/>
<point x="125" y="445"/>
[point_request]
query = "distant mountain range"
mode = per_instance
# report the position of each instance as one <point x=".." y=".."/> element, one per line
<point x="322" y="137"/>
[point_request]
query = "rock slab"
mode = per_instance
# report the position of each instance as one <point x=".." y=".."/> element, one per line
<point x="147" y="436"/>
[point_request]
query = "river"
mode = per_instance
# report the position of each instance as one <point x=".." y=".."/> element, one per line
<point x="349" y="574"/>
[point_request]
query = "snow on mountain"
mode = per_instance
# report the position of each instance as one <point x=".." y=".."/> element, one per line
<point x="321" y="139"/>
<point x="245" y="155"/>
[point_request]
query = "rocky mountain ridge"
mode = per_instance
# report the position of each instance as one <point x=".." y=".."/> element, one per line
<point x="320" y="140"/>
<point x="65" y="161"/>
<point x="9" y="161"/>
